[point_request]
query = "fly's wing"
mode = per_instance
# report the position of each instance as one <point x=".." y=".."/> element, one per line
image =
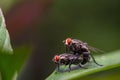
<point x="89" y="47"/>
<point x="95" y="49"/>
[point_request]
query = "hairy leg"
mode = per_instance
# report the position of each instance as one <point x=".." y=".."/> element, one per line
<point x="94" y="60"/>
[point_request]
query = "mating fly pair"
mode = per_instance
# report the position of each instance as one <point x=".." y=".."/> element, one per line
<point x="77" y="52"/>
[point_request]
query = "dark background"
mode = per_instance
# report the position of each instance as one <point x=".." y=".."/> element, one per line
<point x="44" y="24"/>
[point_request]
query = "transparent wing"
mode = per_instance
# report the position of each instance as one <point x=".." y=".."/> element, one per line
<point x="96" y="50"/>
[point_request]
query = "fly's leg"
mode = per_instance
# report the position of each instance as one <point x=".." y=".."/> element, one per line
<point x="58" y="66"/>
<point x="95" y="60"/>
<point x="79" y="65"/>
<point x="67" y="50"/>
<point x="70" y="67"/>
<point x="82" y="66"/>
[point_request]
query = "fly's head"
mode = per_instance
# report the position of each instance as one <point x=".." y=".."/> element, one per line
<point x="68" y="41"/>
<point x="56" y="59"/>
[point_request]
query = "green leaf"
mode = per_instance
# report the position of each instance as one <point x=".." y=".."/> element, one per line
<point x="11" y="65"/>
<point x="108" y="60"/>
<point x="4" y="36"/>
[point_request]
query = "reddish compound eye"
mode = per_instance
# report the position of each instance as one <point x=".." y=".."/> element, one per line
<point x="57" y="58"/>
<point x="68" y="41"/>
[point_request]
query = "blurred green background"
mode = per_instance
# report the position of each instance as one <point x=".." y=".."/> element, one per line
<point x="45" y="23"/>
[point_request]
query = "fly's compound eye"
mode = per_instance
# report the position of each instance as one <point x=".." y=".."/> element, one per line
<point x="68" y="41"/>
<point x="57" y="58"/>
